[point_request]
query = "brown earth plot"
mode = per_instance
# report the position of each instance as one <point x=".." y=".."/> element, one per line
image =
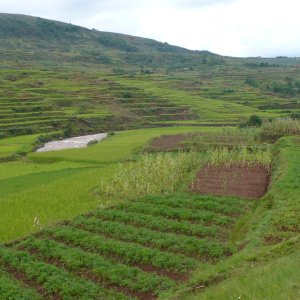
<point x="247" y="181"/>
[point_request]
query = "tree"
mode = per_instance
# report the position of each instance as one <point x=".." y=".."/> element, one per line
<point x="253" y="121"/>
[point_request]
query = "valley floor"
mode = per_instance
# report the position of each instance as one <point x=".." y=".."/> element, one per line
<point x="181" y="246"/>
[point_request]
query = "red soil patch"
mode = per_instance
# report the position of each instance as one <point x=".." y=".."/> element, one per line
<point x="272" y="239"/>
<point x="168" y="142"/>
<point x="236" y="180"/>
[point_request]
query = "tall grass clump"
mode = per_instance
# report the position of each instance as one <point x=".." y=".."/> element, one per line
<point x="153" y="174"/>
<point x="283" y="125"/>
<point x="227" y="136"/>
<point x="238" y="136"/>
<point x="240" y="155"/>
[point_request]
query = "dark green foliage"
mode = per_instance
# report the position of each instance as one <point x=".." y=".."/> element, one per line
<point x="112" y="272"/>
<point x="177" y="213"/>
<point x="111" y="41"/>
<point x="10" y="288"/>
<point x="253" y="121"/>
<point x="127" y="252"/>
<point x="164" y="241"/>
<point x="54" y="280"/>
<point x="92" y="143"/>
<point x="156" y="222"/>
<point x="295" y="116"/>
<point x="251" y="81"/>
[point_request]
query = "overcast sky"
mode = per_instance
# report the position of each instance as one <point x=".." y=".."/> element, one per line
<point x="228" y="27"/>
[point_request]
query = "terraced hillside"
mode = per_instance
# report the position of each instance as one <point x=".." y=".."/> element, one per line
<point x="133" y="250"/>
<point x="108" y="240"/>
<point x="40" y="101"/>
<point x="57" y="77"/>
<point x="35" y="101"/>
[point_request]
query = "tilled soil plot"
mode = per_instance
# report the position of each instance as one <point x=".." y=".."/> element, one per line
<point x="237" y="180"/>
<point x="168" y="142"/>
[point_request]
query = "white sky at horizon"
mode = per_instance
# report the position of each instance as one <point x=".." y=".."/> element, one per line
<point x="228" y="27"/>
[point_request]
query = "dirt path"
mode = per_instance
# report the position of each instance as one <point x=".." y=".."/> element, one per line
<point x="242" y="181"/>
<point x="71" y="143"/>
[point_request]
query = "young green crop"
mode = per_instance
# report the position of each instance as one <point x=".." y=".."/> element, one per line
<point x="193" y="204"/>
<point x="55" y="281"/>
<point x="200" y="216"/>
<point x="156" y="222"/>
<point x="124" y="251"/>
<point x="109" y="271"/>
<point x="165" y="241"/>
<point x="10" y="288"/>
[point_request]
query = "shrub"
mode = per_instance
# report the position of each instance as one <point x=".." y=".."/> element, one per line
<point x="253" y="121"/>
<point x="92" y="142"/>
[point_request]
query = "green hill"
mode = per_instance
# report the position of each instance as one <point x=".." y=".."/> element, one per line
<point x="60" y="77"/>
<point x="37" y="39"/>
<point x="128" y="221"/>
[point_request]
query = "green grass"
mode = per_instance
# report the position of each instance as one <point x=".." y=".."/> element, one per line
<point x="46" y="185"/>
<point x="170" y="242"/>
<point x="220" y="246"/>
<point x="75" y="259"/>
<point x="115" y="148"/>
<point x="63" y="198"/>
<point x="267" y="267"/>
<point x="278" y="279"/>
<point x="94" y="255"/>
<point x="55" y="281"/>
<point x="130" y="253"/>
<point x="18" y="145"/>
<point x="62" y="84"/>
<point x="10" y="288"/>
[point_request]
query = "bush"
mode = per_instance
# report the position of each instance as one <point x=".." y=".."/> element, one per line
<point x="295" y="116"/>
<point x="253" y="121"/>
<point x="251" y="81"/>
<point x="92" y="142"/>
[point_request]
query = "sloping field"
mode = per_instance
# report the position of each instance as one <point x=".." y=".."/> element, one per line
<point x="182" y="246"/>
<point x="134" y="250"/>
<point x="237" y="180"/>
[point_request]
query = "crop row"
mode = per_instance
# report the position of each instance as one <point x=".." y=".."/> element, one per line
<point x="193" y="203"/>
<point x="156" y="222"/>
<point x="165" y="241"/>
<point x="10" y="288"/>
<point x="109" y="271"/>
<point x="55" y="281"/>
<point x="177" y="213"/>
<point x="126" y="252"/>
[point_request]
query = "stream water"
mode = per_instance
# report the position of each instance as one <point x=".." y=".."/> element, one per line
<point x="71" y="143"/>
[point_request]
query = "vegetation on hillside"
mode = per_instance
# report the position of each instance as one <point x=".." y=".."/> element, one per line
<point x="113" y="222"/>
